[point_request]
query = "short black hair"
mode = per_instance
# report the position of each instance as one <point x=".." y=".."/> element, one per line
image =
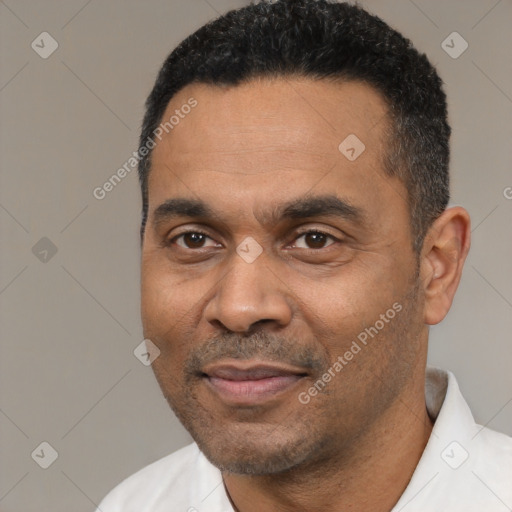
<point x="323" y="39"/>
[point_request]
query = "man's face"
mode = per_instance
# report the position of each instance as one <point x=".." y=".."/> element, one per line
<point x="270" y="252"/>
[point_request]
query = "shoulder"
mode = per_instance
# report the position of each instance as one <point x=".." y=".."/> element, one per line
<point x="465" y="467"/>
<point x="479" y="472"/>
<point x="168" y="480"/>
<point x="492" y="452"/>
<point x="477" y="460"/>
<point x="500" y="445"/>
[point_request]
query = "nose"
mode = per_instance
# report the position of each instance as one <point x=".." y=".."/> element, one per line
<point x="248" y="294"/>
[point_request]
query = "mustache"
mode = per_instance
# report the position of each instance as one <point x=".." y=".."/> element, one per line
<point x="260" y="345"/>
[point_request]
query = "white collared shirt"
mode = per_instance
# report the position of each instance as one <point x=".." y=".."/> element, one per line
<point x="464" y="468"/>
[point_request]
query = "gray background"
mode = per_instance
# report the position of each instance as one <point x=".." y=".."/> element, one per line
<point x="70" y="324"/>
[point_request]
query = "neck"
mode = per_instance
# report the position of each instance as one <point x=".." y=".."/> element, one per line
<point x="371" y="476"/>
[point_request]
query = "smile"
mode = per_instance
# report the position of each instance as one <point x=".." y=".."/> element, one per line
<point x="249" y="383"/>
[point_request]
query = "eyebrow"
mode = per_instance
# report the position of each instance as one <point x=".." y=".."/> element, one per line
<point x="301" y="208"/>
<point x="327" y="205"/>
<point x="181" y="207"/>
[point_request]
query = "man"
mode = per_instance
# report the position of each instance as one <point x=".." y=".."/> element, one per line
<point x="296" y="247"/>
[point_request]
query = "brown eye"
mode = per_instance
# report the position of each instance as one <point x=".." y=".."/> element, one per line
<point x="194" y="240"/>
<point x="314" y="240"/>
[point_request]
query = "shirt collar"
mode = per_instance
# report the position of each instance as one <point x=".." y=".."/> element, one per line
<point x="451" y="437"/>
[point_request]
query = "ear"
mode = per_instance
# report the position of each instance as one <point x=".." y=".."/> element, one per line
<point x="444" y="251"/>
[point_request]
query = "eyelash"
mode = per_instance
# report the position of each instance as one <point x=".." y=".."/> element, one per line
<point x="297" y="235"/>
<point x="192" y="231"/>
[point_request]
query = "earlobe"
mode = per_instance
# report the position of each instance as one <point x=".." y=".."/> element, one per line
<point x="444" y="251"/>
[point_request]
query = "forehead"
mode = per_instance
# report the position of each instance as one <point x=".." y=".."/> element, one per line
<point x="273" y="138"/>
<point x="293" y="112"/>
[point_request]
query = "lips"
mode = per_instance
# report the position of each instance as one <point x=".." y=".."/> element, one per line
<point x="251" y="383"/>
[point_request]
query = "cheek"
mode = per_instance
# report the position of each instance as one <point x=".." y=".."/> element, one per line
<point x="161" y="313"/>
<point x="355" y="297"/>
<point x="170" y="305"/>
<point x="163" y="297"/>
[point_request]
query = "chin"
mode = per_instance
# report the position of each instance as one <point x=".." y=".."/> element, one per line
<point x="255" y="459"/>
<point x="252" y="449"/>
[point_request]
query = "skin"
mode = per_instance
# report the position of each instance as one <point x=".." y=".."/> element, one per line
<point x="244" y="152"/>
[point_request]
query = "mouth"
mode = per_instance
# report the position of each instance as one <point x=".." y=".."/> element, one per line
<point x="249" y="382"/>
